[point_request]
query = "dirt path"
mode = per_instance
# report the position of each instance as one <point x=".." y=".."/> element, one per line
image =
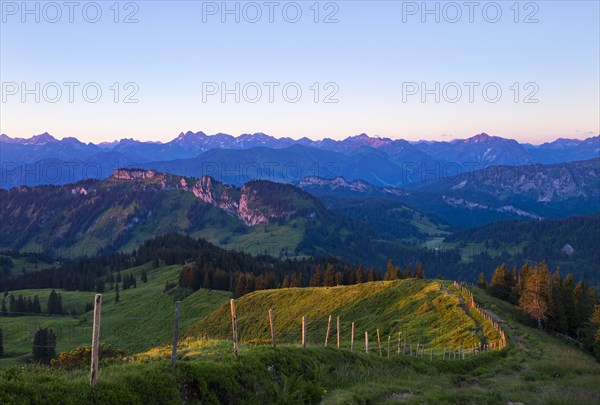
<point x="493" y="315"/>
<point x="478" y="327"/>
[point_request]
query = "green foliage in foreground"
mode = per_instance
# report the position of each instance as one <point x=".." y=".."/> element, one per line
<point x="536" y="368"/>
<point x="540" y="370"/>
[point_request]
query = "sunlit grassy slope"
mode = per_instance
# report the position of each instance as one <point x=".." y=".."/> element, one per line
<point x="536" y="368"/>
<point x="425" y="312"/>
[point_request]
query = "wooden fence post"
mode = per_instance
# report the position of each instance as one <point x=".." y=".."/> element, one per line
<point x="95" y="340"/>
<point x="328" y="328"/>
<point x="234" y="327"/>
<point x="338" y="332"/>
<point x="272" y="324"/>
<point x="352" y="339"/>
<point x="379" y="342"/>
<point x="304" y="332"/>
<point x="399" y="342"/>
<point x="175" y="335"/>
<point x="366" y="342"/>
<point x="389" y="342"/>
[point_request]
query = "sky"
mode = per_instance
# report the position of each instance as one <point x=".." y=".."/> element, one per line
<point x="149" y="70"/>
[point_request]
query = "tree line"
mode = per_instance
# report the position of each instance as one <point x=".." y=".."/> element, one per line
<point x="555" y="303"/>
<point x="26" y="306"/>
<point x="302" y="273"/>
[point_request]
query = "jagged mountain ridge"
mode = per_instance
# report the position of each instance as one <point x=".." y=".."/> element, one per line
<point x="43" y="159"/>
<point x="493" y="194"/>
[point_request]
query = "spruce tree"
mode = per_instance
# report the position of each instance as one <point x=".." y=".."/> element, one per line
<point x="240" y="286"/>
<point x="408" y="272"/>
<point x="37" y="308"/>
<point x="594" y="332"/>
<point x="498" y="287"/>
<point x="296" y="280"/>
<point x="360" y="275"/>
<point x="317" y="278"/>
<point x="371" y="274"/>
<point x="329" y="276"/>
<point x="419" y="271"/>
<point x="391" y="272"/>
<point x="12" y="305"/>
<point x="556" y="310"/>
<point x="44" y="343"/>
<point x="481" y="283"/>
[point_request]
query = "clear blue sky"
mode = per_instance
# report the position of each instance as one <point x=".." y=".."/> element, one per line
<point x="369" y="53"/>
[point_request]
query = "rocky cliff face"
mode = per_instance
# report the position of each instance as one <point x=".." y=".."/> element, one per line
<point x="217" y="194"/>
<point x="136" y="174"/>
<point x="255" y="203"/>
<point x="542" y="183"/>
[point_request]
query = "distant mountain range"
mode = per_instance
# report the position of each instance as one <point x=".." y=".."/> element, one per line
<point x="383" y="162"/>
<point x="471" y="199"/>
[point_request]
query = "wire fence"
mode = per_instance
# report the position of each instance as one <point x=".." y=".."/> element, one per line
<point x="19" y="328"/>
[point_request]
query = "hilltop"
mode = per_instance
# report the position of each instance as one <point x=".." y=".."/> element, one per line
<point x="428" y="313"/>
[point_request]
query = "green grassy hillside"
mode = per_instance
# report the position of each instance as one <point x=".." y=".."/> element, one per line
<point x="142" y="318"/>
<point x="425" y="312"/>
<point x="536" y="368"/>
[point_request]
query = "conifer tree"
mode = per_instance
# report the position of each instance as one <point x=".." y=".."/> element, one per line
<point x="482" y="283"/>
<point x="44" y="342"/>
<point x="594" y="332"/>
<point x="55" y="303"/>
<point x="556" y="310"/>
<point x="240" y="286"/>
<point x="534" y="298"/>
<point x="408" y="272"/>
<point x="317" y="278"/>
<point x="391" y="272"/>
<point x="371" y="275"/>
<point x="339" y="278"/>
<point x="329" y="276"/>
<point x="419" y="270"/>
<point x="498" y="287"/>
<point x="360" y="275"/>
<point x="296" y="280"/>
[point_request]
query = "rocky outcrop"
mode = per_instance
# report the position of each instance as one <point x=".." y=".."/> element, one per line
<point x="217" y="194"/>
<point x="135" y="174"/>
<point x="254" y="204"/>
<point x="246" y="210"/>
